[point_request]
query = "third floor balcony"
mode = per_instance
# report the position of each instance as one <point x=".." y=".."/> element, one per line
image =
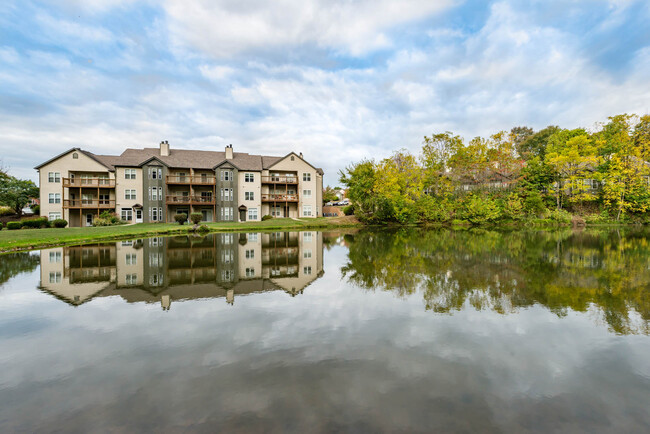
<point x="202" y="179"/>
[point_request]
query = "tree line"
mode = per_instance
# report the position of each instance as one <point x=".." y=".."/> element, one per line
<point x="514" y="175"/>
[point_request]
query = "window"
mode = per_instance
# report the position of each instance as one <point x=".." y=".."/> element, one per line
<point x="249" y="195"/>
<point x="227" y="256"/>
<point x="306" y="210"/>
<point x="293" y="158"/>
<point x="55" y="277"/>
<point x="87" y="199"/>
<point x="249" y="177"/>
<point x="127" y="214"/>
<point x="155" y="259"/>
<point x="54" y="216"/>
<point x="252" y="214"/>
<point x="306" y="176"/>
<point x="104" y="199"/>
<point x="227" y="239"/>
<point x="306" y="270"/>
<point x="252" y="238"/>
<point x="54" y="198"/>
<point x="131" y="279"/>
<point x="226" y="175"/>
<point x="54" y="177"/>
<point x="227" y="194"/>
<point x="131" y="259"/>
<point x="306" y="254"/>
<point x="55" y="257"/>
<point x="160" y="197"/>
<point x="250" y="272"/>
<point x="127" y="243"/>
<point x="153" y="193"/>
<point x="226" y="275"/>
<point x="226" y="213"/>
<point x="250" y="254"/>
<point x="156" y="280"/>
<point x="129" y="173"/>
<point x="307" y="237"/>
<point x="306" y="193"/>
<point x="160" y="214"/>
<point x="277" y="211"/>
<point x="154" y="214"/>
<point x="75" y="156"/>
<point x="129" y="194"/>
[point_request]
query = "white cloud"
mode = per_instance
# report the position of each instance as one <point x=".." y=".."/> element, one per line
<point x="224" y="28"/>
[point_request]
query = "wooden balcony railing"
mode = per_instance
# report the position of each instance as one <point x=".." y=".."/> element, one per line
<point x="89" y="182"/>
<point x="280" y="179"/>
<point x="279" y="198"/>
<point x="191" y="179"/>
<point x="89" y="203"/>
<point x="193" y="200"/>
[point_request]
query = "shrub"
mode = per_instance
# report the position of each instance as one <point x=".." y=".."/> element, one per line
<point x="204" y="228"/>
<point x="513" y="207"/>
<point x="181" y="218"/>
<point x="560" y="216"/>
<point x="6" y="210"/>
<point x="36" y="209"/>
<point x="534" y="204"/>
<point x="348" y="210"/>
<point x="59" y="223"/>
<point x="480" y="209"/>
<point x="107" y="218"/>
<point x="266" y="217"/>
<point x="196" y="217"/>
<point x="14" y="225"/>
<point x="36" y="223"/>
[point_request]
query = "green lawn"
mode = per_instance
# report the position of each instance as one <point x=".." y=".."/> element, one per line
<point x="36" y="238"/>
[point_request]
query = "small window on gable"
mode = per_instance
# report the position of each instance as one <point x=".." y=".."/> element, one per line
<point x="293" y="158"/>
<point x="75" y="156"/>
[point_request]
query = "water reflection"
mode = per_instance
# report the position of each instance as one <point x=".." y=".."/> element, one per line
<point x="503" y="272"/>
<point x="167" y="269"/>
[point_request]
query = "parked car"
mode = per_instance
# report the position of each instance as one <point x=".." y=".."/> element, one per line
<point x="344" y="202"/>
<point x="329" y="204"/>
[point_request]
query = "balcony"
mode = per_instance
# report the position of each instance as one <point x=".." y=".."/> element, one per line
<point x="279" y="198"/>
<point x="89" y="182"/>
<point x="89" y="203"/>
<point x="190" y="200"/>
<point x="290" y="179"/>
<point x="191" y="179"/>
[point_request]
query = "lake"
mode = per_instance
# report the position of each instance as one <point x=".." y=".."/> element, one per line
<point x="407" y="330"/>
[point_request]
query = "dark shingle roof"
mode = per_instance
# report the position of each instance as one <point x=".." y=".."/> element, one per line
<point x="182" y="158"/>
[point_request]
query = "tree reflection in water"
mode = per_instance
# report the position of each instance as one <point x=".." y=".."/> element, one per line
<point x="505" y="271"/>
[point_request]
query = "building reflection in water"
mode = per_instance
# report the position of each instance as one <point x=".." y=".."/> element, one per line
<point x="167" y="269"/>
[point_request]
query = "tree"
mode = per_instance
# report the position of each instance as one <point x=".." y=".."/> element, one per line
<point x="624" y="149"/>
<point x="329" y="194"/>
<point x="535" y="145"/>
<point x="360" y="178"/>
<point x="518" y="135"/>
<point x="572" y="156"/>
<point x="15" y="192"/>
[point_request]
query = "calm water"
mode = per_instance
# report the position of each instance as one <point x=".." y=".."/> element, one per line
<point x="373" y="331"/>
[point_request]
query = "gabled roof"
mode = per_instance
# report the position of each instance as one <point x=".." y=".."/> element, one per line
<point x="183" y="158"/>
<point x="320" y="171"/>
<point x="101" y="159"/>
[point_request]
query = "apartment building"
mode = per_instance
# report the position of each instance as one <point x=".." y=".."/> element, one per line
<point x="155" y="184"/>
<point x="166" y="269"/>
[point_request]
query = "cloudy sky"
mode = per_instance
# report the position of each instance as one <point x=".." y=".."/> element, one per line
<point x="338" y="81"/>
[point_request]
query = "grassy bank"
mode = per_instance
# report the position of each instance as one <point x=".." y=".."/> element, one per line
<point x="25" y="239"/>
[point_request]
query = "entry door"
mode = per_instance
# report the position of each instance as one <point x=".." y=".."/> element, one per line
<point x="242" y="215"/>
<point x="138" y="216"/>
<point x="89" y="219"/>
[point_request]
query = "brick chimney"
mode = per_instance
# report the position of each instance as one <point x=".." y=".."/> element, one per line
<point x="229" y="152"/>
<point x="164" y="149"/>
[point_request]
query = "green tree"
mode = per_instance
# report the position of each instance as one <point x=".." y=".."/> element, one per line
<point x="15" y="192"/>
<point x="535" y="145"/>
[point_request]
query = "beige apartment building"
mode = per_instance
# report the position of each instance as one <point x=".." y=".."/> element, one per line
<point x="155" y="184"/>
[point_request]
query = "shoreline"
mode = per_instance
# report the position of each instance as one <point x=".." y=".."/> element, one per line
<point x="35" y="239"/>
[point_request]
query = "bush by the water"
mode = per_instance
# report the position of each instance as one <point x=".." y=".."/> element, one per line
<point x="204" y="228"/>
<point x="348" y="210"/>
<point x="266" y="217"/>
<point x="107" y="218"/>
<point x="180" y="218"/>
<point x="36" y="223"/>
<point x="14" y="225"/>
<point x="59" y="223"/>
<point x="196" y="217"/>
